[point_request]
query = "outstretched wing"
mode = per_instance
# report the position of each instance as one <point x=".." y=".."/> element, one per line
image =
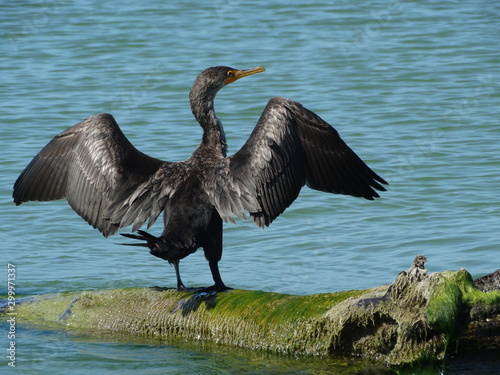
<point x="289" y="147"/>
<point x="95" y="167"/>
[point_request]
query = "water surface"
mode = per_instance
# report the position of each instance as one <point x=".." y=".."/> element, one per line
<point x="412" y="87"/>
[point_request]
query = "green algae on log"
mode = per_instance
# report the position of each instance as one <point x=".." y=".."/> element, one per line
<point x="410" y="321"/>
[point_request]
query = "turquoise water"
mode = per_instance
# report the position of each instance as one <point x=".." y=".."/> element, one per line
<point x="412" y="87"/>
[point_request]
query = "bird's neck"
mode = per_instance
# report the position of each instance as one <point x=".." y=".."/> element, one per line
<point x="213" y="132"/>
<point x="214" y="135"/>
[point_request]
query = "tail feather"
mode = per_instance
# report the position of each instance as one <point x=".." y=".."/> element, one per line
<point x="143" y="236"/>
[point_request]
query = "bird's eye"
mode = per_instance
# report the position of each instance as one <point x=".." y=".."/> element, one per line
<point x="230" y="73"/>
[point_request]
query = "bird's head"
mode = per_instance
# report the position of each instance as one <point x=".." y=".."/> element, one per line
<point x="206" y="86"/>
<point x="211" y="80"/>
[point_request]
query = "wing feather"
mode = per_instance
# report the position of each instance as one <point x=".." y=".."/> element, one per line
<point x="290" y="147"/>
<point x="95" y="167"/>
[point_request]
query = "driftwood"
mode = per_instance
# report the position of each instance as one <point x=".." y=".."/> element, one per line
<point x="419" y="318"/>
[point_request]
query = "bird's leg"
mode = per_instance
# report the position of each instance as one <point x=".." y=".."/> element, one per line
<point x="219" y="284"/>
<point x="180" y="284"/>
<point x="213" y="252"/>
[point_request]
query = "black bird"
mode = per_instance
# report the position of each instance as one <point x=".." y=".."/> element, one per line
<point x="112" y="185"/>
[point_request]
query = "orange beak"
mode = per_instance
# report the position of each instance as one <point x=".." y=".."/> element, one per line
<point x="234" y="75"/>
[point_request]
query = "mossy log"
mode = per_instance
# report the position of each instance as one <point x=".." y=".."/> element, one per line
<point x="412" y="320"/>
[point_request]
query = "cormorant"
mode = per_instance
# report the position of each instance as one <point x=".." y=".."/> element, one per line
<point x="112" y="185"/>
